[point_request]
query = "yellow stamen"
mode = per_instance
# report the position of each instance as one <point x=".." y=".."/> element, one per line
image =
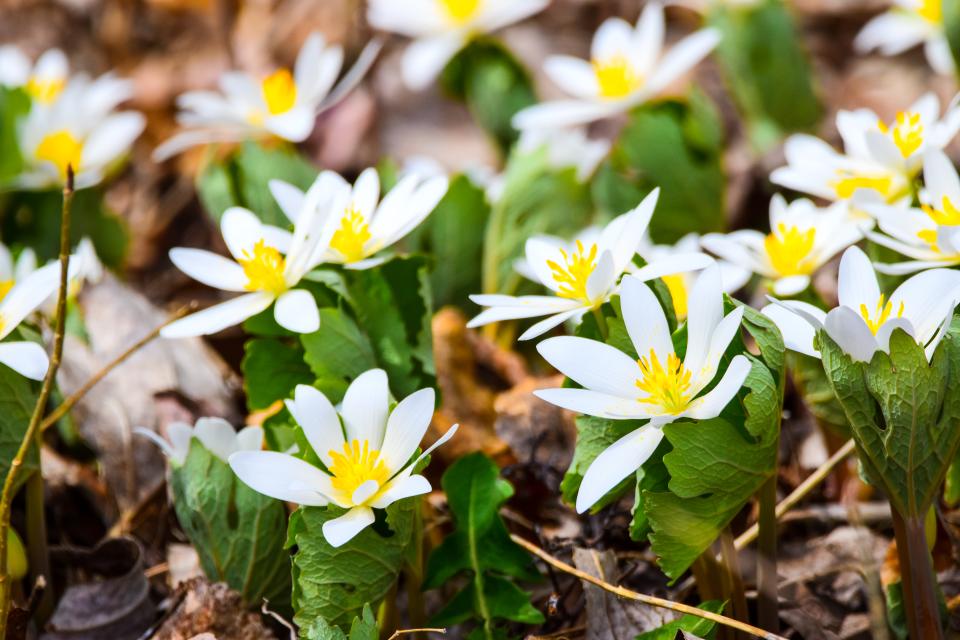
<point x="44" y="90"/>
<point x="350" y="240"/>
<point x="882" y="314"/>
<point x="616" y="77"/>
<point x="573" y="275"/>
<point x="5" y="286"/>
<point x="61" y="149"/>
<point x="668" y="388"/>
<point x="931" y="11"/>
<point x="907" y="133"/>
<point x="678" y="293"/>
<point x="357" y="464"/>
<point x="948" y="215"/>
<point x="460" y="11"/>
<point x="264" y="269"/>
<point x="848" y="182"/>
<point x="279" y="91"/>
<point x="788" y="250"/>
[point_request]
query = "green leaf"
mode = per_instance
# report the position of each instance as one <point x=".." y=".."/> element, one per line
<point x="689" y="623"/>
<point x="676" y="146"/>
<point x="480" y="547"/>
<point x="18" y="397"/>
<point x="493" y="84"/>
<point x="243" y="181"/>
<point x="337" y="353"/>
<point x="362" y="628"/>
<point x="237" y="532"/>
<point x="272" y="368"/>
<point x="903" y="412"/>
<point x="453" y="235"/>
<point x="767" y="70"/>
<point x="14" y="105"/>
<point x="951" y="26"/>
<point x="335" y="583"/>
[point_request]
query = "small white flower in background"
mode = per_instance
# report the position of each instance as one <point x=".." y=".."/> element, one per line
<point x="681" y="255"/>
<point x="12" y="272"/>
<point x="80" y="129"/>
<point x="659" y="386"/>
<point x="581" y="277"/>
<point x="880" y="159"/>
<point x="908" y="24"/>
<point x="368" y="452"/>
<point x="441" y="28"/>
<point x="627" y="68"/>
<point x="357" y="223"/>
<point x="16" y="303"/>
<point x="703" y="6"/>
<point x="284" y="104"/>
<point x="43" y="81"/>
<point x="802" y="239"/>
<point x="930" y="234"/>
<point x="216" y="434"/>
<point x="259" y="266"/>
<point x="863" y="322"/>
<point x="566" y="148"/>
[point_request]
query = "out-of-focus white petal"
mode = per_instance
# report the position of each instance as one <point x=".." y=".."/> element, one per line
<point x="296" y="311"/>
<point x="26" y="358"/>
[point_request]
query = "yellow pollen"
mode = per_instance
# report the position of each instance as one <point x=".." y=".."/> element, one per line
<point x="44" y="90"/>
<point x="907" y="133"/>
<point x="788" y="250"/>
<point x="264" y="269"/>
<point x="948" y="215"/>
<point x="573" y="275"/>
<point x="616" y="77"/>
<point x="667" y="388"/>
<point x="279" y="91"/>
<point x="460" y="11"/>
<point x="356" y="464"/>
<point x="882" y="314"/>
<point x="931" y="11"/>
<point x="61" y="149"/>
<point x="848" y="182"/>
<point x="5" y="286"/>
<point x="678" y="293"/>
<point x="350" y="240"/>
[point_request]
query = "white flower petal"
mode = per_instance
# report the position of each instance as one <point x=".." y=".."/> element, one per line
<point x="575" y="76"/>
<point x="294" y="125"/>
<point x="857" y="282"/>
<point x="712" y="403"/>
<point x="601" y="282"/>
<point x="296" y="310"/>
<point x="797" y="333"/>
<point x="339" y="531"/>
<point x="26" y="358"/>
<point x="927" y="298"/>
<point x="217" y="435"/>
<point x="615" y="463"/>
<point x="27" y="295"/>
<point x="592" y="364"/>
<point x="283" y="477"/>
<point x="851" y="333"/>
<point x="593" y="403"/>
<point x="425" y="58"/>
<point x="209" y="268"/>
<point x="241" y="230"/>
<point x="289" y="198"/>
<point x="219" y="316"/>
<point x="541" y="327"/>
<point x="400" y="488"/>
<point x="790" y="285"/>
<point x="365" y="407"/>
<point x="705" y="311"/>
<point x="405" y="428"/>
<point x="558" y="114"/>
<point x="646" y="324"/>
<point x="250" y="438"/>
<point x="683" y="57"/>
<point x="316" y="416"/>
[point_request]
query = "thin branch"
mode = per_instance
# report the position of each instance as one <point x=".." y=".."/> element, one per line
<point x="33" y="429"/>
<point x="404" y="632"/>
<point x="640" y="597"/>
<point x="78" y="395"/>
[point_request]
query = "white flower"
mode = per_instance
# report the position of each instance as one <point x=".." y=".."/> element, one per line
<point x="216" y="434"/>
<point x="441" y="28"/>
<point x="12" y="272"/>
<point x="802" y="239"/>
<point x="16" y="303"/>
<point x="284" y="104"/>
<point x="862" y="324"/>
<point x="566" y="148"/>
<point x="658" y="387"/>
<point x="357" y="224"/>
<point x="369" y="458"/>
<point x="703" y="6"/>
<point x="581" y="277"/>
<point x="43" y="81"/>
<point x="908" y="24"/>
<point x="879" y="161"/>
<point x="627" y="68"/>
<point x="80" y="129"/>
<point x="686" y="256"/>
<point x="259" y="266"/>
<point x="929" y="235"/>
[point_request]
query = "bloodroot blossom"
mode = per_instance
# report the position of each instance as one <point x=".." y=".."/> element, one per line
<point x="367" y="451"/>
<point x="658" y="387"/>
<point x="907" y="24"/>
<point x="865" y="319"/>
<point x="216" y="434"/>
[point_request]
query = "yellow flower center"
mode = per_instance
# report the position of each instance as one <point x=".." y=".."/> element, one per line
<point x="906" y="131"/>
<point x="460" y="11"/>
<point x="678" y="293"/>
<point x="350" y="240"/>
<point x="61" y="149"/>
<point x="947" y="216"/>
<point x="44" y="90"/>
<point x="848" y="182"/>
<point x="667" y="388"/>
<point x="5" y="286"/>
<point x="264" y="269"/>
<point x="880" y="315"/>
<point x="279" y="91"/>
<point x="572" y="276"/>
<point x="356" y="464"/>
<point x="616" y="77"/>
<point x="788" y="250"/>
<point x="931" y="11"/>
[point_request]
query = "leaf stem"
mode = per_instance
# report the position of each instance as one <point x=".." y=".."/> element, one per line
<point x="31" y="437"/>
<point x="732" y="578"/>
<point x="601" y="323"/>
<point x="917" y="577"/>
<point x="663" y="603"/>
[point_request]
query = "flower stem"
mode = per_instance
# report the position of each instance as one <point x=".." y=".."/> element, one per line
<point x="601" y="323"/>
<point x="917" y="577"/>
<point x="733" y="579"/>
<point x="37" y="550"/>
<point x="767" y="566"/>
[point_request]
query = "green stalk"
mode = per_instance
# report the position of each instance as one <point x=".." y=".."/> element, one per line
<point x="601" y="323"/>
<point x="733" y="580"/>
<point x="37" y="549"/>
<point x="769" y="617"/>
<point x="917" y="577"/>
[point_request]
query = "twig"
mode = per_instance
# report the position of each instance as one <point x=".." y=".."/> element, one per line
<point x="78" y="395"/>
<point x="805" y="487"/>
<point x="30" y="437"/>
<point x="404" y="632"/>
<point x="640" y="597"/>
